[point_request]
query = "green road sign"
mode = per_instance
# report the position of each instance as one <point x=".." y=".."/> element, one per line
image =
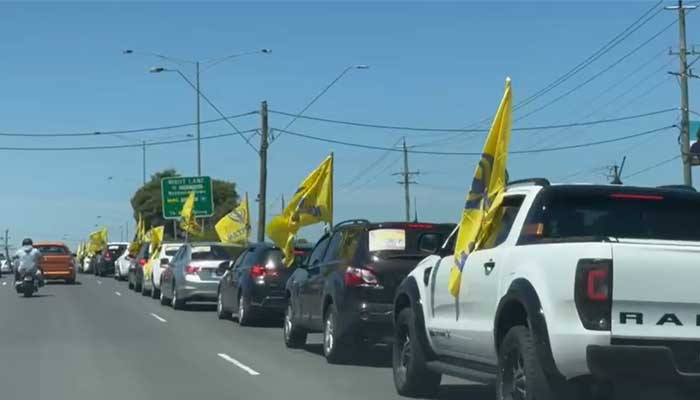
<point x="174" y="192"/>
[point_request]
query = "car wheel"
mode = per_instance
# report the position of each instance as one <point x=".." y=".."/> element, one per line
<point x="334" y="347"/>
<point x="164" y="301"/>
<point x="520" y="373"/>
<point x="244" y="317"/>
<point x="70" y="281"/>
<point x="131" y="283"/>
<point x="144" y="290"/>
<point x="177" y="303"/>
<point x="294" y="336"/>
<point x="138" y="288"/>
<point x="155" y="293"/>
<point x="220" y="312"/>
<point x="411" y="377"/>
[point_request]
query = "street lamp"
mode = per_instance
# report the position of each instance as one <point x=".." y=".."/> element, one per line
<point x="196" y="63"/>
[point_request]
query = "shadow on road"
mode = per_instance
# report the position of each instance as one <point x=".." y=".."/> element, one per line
<point x="201" y="307"/>
<point x="34" y="296"/>
<point x="467" y="391"/>
<point x="62" y="283"/>
<point x="372" y="356"/>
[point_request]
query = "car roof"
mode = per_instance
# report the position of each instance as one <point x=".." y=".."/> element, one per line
<point x="673" y="191"/>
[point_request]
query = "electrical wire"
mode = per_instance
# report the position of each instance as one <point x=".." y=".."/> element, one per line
<point x="425" y="129"/>
<point x="456" y="153"/>
<point x="600" y="73"/>
<point x="643" y="170"/>
<point x="125" y="131"/>
<point x="364" y="171"/>
<point x="122" y="146"/>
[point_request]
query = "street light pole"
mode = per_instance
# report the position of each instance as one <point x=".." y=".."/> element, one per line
<point x="199" y="137"/>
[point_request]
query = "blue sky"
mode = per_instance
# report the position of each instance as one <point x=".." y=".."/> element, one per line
<point x="432" y="64"/>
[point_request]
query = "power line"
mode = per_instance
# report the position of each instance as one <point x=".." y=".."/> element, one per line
<point x="456" y="153"/>
<point x="643" y="170"/>
<point x="636" y="25"/>
<point x="427" y="129"/>
<point x="125" y="131"/>
<point x="122" y="146"/>
<point x="604" y="70"/>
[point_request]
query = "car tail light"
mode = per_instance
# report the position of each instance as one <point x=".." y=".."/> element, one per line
<point x="257" y="271"/>
<point x="108" y="257"/>
<point x="191" y="270"/>
<point x="142" y="262"/>
<point x="593" y="293"/>
<point x="360" y="277"/>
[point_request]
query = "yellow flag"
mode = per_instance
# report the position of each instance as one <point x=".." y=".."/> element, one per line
<point x="156" y="235"/>
<point x="98" y="240"/>
<point x="486" y="192"/>
<point x="312" y="203"/>
<point x="139" y="237"/>
<point x="188" y="223"/>
<point x="234" y="227"/>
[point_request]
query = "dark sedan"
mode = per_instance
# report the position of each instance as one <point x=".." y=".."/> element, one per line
<point x="253" y="287"/>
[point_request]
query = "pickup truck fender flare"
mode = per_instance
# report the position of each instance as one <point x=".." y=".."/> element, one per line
<point x="521" y="291"/>
<point x="409" y="288"/>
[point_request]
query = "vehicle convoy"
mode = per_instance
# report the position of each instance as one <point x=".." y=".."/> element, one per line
<point x="347" y="286"/>
<point x="579" y="287"/>
<point x="193" y="274"/>
<point x="151" y="280"/>
<point x="57" y="262"/>
<point x="253" y="287"/>
<point x="105" y="264"/>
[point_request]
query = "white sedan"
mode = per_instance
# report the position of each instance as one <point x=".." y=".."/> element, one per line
<point x="121" y="265"/>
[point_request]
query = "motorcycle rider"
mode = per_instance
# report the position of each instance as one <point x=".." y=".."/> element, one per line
<point x="27" y="260"/>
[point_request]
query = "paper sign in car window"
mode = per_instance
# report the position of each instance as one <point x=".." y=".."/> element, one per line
<point x="201" y="249"/>
<point x="387" y="239"/>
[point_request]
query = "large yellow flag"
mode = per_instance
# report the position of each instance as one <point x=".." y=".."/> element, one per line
<point x="98" y="240"/>
<point x="156" y="235"/>
<point x="139" y="237"/>
<point x="188" y="223"/>
<point x="234" y="227"/>
<point x="486" y="192"/>
<point x="312" y="203"/>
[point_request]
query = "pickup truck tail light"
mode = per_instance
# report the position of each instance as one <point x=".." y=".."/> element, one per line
<point x="360" y="277"/>
<point x="191" y="270"/>
<point x="108" y="257"/>
<point x="593" y="293"/>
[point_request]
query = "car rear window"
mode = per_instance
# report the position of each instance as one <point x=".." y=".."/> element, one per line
<point x="210" y="253"/>
<point x="617" y="215"/>
<point x="412" y="238"/>
<point x="116" y="250"/>
<point x="52" y="250"/>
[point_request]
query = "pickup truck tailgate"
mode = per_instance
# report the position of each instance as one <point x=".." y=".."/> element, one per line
<point x="656" y="289"/>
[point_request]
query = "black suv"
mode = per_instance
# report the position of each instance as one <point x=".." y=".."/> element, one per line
<point x="254" y="285"/>
<point x="346" y="288"/>
<point x="104" y="264"/>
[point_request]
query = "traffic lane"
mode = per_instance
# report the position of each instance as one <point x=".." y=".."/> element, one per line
<point x="298" y="373"/>
<point x="76" y="341"/>
<point x="304" y="373"/>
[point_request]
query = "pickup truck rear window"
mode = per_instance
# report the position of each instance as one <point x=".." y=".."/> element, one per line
<point x="52" y="250"/>
<point x="617" y="215"/>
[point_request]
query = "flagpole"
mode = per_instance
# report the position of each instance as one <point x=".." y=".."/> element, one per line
<point x="332" y="189"/>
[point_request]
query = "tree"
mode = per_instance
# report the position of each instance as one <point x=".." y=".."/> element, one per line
<point x="147" y="202"/>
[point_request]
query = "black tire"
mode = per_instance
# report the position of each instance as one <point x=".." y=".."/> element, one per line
<point x="144" y="291"/>
<point x="131" y="284"/>
<point x="164" y="301"/>
<point x="336" y="348"/>
<point x="244" y="315"/>
<point x="519" y="369"/>
<point x="177" y="303"/>
<point x="155" y="293"/>
<point x="70" y="281"/>
<point x="220" y="312"/>
<point x="294" y="336"/>
<point x="138" y="288"/>
<point x="411" y="376"/>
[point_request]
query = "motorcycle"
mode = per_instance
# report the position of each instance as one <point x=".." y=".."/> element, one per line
<point x="27" y="284"/>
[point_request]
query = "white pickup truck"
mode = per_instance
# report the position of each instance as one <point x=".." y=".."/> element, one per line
<point x="583" y="287"/>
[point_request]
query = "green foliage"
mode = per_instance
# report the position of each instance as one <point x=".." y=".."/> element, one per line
<point x="147" y="201"/>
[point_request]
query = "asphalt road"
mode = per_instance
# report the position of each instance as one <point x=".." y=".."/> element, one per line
<point x="99" y="340"/>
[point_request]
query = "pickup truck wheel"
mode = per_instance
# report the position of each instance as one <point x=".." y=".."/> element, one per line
<point x="294" y="336"/>
<point x="335" y="347"/>
<point x="411" y="377"/>
<point x="520" y="373"/>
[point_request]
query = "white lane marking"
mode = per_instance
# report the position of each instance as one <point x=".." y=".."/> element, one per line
<point x="238" y="364"/>
<point x="158" y="317"/>
<point x="117" y="293"/>
<point x="99" y="282"/>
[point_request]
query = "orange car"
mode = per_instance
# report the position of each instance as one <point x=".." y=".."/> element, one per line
<point x="57" y="261"/>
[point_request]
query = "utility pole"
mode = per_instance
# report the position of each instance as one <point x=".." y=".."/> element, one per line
<point x="406" y="181"/>
<point x="199" y="137"/>
<point x="143" y="151"/>
<point x="616" y="172"/>
<point x="262" y="195"/>
<point x="683" y="75"/>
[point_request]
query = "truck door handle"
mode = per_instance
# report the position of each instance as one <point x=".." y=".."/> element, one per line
<point x="489" y="266"/>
